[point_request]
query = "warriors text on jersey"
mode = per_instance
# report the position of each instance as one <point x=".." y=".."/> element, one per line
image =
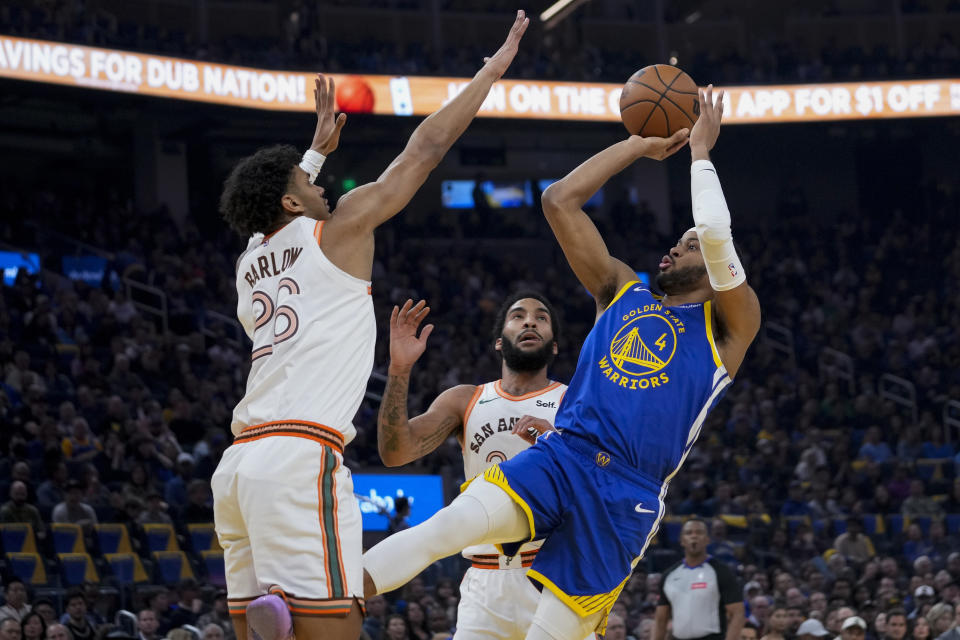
<point x="487" y="436"/>
<point x="313" y="332"/>
<point x="646" y="377"/>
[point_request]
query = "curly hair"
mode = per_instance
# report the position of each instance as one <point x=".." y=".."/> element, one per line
<point x="250" y="202"/>
<point x="516" y="297"/>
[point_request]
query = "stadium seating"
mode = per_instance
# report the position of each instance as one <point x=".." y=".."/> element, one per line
<point x="113" y="538"/>
<point x="161" y="537"/>
<point x="126" y="568"/>
<point x="171" y="567"/>
<point x="17" y="537"/>
<point x="28" y="566"/>
<point x="216" y="572"/>
<point x="203" y="537"/>
<point x="77" y="568"/>
<point x="67" y="538"/>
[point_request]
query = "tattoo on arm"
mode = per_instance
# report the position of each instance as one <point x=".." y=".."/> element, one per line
<point x="433" y="440"/>
<point x="393" y="411"/>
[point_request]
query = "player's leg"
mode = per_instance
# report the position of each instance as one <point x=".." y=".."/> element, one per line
<point x="242" y="584"/>
<point x="304" y="525"/>
<point x="554" y="620"/>
<point x="484" y="513"/>
<point x="495" y="604"/>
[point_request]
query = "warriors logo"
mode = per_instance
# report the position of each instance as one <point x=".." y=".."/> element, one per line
<point x="644" y="345"/>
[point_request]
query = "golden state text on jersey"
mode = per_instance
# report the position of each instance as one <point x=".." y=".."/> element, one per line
<point x="646" y="377"/>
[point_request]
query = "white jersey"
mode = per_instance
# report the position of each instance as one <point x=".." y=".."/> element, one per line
<point x="487" y="438"/>
<point x="313" y="332"/>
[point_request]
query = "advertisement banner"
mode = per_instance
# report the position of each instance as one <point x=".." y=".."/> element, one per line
<point x="165" y="77"/>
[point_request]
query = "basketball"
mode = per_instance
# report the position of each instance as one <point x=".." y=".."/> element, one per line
<point x="659" y="100"/>
<point x="354" y="95"/>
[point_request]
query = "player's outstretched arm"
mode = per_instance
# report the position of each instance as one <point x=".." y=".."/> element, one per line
<point x="582" y="244"/>
<point x="372" y="204"/>
<point x="738" y="309"/>
<point x="399" y="439"/>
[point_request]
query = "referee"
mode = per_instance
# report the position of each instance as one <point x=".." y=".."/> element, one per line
<point x="699" y="594"/>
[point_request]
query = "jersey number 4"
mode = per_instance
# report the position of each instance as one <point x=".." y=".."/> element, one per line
<point x="271" y="314"/>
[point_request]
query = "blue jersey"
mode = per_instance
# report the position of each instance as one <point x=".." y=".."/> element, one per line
<point x="646" y="378"/>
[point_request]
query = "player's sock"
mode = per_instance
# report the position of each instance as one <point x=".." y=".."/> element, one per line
<point x="482" y="514"/>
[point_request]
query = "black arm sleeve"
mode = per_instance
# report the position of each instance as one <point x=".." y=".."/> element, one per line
<point x="730" y="589"/>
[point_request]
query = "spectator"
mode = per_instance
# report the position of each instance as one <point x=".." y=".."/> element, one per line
<point x="19" y="510"/>
<point x="175" y="492"/>
<point x="188" y="606"/>
<point x="59" y="631"/>
<point x="922" y="597"/>
<point x="759" y="611"/>
<point x="438" y="622"/>
<point x="155" y="512"/>
<point x="75" y="619"/>
<point x="395" y="629"/>
<point x="749" y="632"/>
<point x="73" y="511"/>
<point x="373" y="624"/>
<point x="212" y="632"/>
<point x="896" y="628"/>
<point x="941" y="619"/>
<point x="45" y="608"/>
<point x="9" y="629"/>
<point x="159" y="602"/>
<point x="796" y="503"/>
<point x="616" y="628"/>
<point x="918" y="504"/>
<point x="198" y="503"/>
<point x="777" y="623"/>
<point x="952" y="617"/>
<point x="15" y="595"/>
<point x="853" y="544"/>
<point x="873" y="448"/>
<point x="416" y="622"/>
<point x="147" y="623"/>
<point x="50" y="491"/>
<point x="853" y="628"/>
<point x="219" y="614"/>
<point x="33" y="627"/>
<point x="920" y="629"/>
<point x="811" y="629"/>
<point x="398" y="522"/>
<point x="80" y="446"/>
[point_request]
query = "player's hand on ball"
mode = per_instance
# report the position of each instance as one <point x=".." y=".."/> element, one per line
<point x="326" y="137"/>
<point x="405" y="346"/>
<point x="705" y="131"/>
<point x="498" y="62"/>
<point x="662" y="148"/>
<point x="529" y="428"/>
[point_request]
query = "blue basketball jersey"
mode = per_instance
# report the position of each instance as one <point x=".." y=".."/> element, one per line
<point x="646" y="377"/>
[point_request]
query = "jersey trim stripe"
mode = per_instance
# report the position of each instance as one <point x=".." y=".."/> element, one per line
<point x="620" y="293"/>
<point x="466" y="415"/>
<point x="318" y="230"/>
<point x="328" y="521"/>
<point x="503" y="394"/>
<point x="708" y="319"/>
<point x="298" y="428"/>
<point x="323" y="525"/>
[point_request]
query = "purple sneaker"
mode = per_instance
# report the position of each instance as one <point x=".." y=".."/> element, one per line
<point x="269" y="618"/>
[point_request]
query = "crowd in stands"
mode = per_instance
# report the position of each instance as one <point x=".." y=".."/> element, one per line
<point x="306" y="44"/>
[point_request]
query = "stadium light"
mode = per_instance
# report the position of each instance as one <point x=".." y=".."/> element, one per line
<point x="555" y="13"/>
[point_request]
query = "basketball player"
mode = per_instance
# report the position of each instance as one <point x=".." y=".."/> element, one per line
<point x="283" y="501"/>
<point x="649" y="371"/>
<point x="496" y="599"/>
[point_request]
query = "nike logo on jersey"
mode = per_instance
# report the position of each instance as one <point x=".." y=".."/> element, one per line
<point x="639" y="509"/>
<point x="485" y="401"/>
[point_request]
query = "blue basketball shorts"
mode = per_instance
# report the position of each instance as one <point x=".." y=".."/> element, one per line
<point x="596" y="515"/>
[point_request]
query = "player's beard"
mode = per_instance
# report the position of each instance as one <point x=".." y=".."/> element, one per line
<point x="519" y="360"/>
<point x="680" y="279"/>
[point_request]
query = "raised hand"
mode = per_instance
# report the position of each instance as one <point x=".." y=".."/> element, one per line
<point x="498" y="62"/>
<point x="326" y="137"/>
<point x="530" y="428"/>
<point x="661" y="148"/>
<point x="405" y="347"/>
<point x="707" y="128"/>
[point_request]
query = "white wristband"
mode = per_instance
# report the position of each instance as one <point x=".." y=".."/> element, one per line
<point x="712" y="217"/>
<point x="311" y="163"/>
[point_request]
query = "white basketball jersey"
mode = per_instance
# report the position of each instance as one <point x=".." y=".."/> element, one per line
<point x="313" y="332"/>
<point x="487" y="438"/>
